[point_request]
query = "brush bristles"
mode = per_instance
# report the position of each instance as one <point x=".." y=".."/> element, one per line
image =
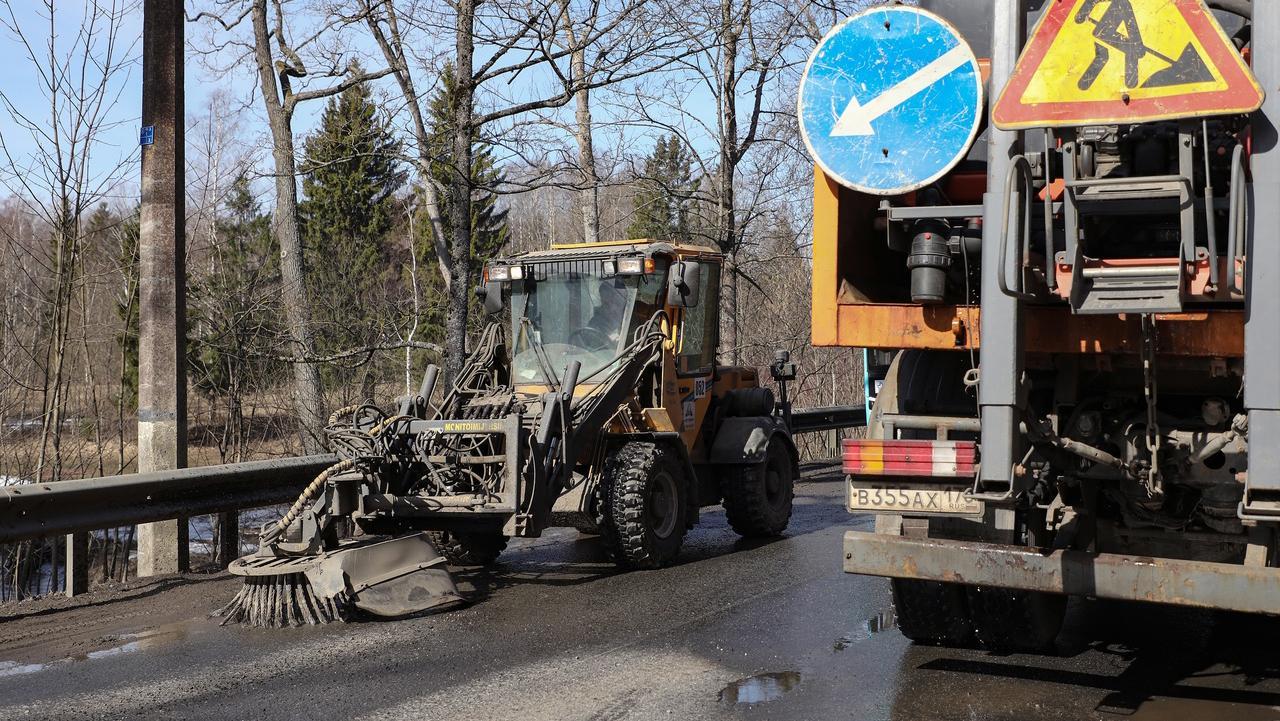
<point x="282" y="601"/>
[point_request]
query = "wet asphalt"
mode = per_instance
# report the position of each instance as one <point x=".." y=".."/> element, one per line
<point x="736" y="630"/>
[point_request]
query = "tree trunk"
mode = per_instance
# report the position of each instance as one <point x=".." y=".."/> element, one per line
<point x="587" y="162"/>
<point x="54" y="401"/>
<point x="589" y="193"/>
<point x="307" y="391"/>
<point x="460" y="192"/>
<point x="726" y="215"/>
<point x="392" y="44"/>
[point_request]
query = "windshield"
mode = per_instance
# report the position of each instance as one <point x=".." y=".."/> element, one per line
<point x="570" y="312"/>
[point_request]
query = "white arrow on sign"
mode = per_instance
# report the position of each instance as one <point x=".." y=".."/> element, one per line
<point x="856" y="119"/>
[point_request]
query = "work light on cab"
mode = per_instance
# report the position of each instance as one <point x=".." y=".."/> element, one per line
<point x="504" y="273"/>
<point x="628" y="266"/>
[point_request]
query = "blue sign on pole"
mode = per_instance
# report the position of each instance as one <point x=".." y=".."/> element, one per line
<point x="891" y="100"/>
<point x="148" y="135"/>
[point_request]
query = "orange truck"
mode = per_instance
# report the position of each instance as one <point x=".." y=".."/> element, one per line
<point x="1053" y="226"/>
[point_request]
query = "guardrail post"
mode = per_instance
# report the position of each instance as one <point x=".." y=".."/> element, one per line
<point x="77" y="564"/>
<point x="228" y="537"/>
<point x="162" y="386"/>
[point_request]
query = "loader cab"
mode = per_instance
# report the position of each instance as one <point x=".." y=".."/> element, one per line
<point x="584" y="310"/>
<point x="590" y="303"/>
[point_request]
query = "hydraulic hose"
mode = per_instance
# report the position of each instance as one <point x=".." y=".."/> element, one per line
<point x="307" y="495"/>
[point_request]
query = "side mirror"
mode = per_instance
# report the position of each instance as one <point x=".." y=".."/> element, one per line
<point x="782" y="368"/>
<point x="684" y="284"/>
<point x="491" y="294"/>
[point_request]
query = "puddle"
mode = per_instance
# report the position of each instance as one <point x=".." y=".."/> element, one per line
<point x="132" y="642"/>
<point x="883" y="621"/>
<point x="1199" y="709"/>
<point x="760" y="688"/>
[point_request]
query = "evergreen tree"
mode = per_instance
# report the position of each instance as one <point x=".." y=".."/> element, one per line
<point x="123" y="244"/>
<point x="663" y="199"/>
<point x="489" y="230"/>
<point x="351" y="176"/>
<point x="233" y="322"/>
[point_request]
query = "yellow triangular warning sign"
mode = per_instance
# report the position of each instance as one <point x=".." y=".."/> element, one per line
<point x="1096" y="62"/>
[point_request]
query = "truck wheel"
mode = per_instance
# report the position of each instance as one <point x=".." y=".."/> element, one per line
<point x="928" y="612"/>
<point x="644" y="505"/>
<point x="931" y="612"/>
<point x="469" y="549"/>
<point x="758" y="497"/>
<point x="1009" y="621"/>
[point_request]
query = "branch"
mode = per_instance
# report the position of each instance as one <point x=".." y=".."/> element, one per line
<point x="362" y="350"/>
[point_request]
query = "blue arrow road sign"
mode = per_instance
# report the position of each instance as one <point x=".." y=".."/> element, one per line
<point x="891" y="100"/>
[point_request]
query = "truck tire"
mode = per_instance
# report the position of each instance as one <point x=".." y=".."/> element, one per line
<point x="469" y="549"/>
<point x="1009" y="621"/>
<point x="644" y="505"/>
<point x="928" y="612"/>
<point x="932" y="613"/>
<point x="758" y="497"/>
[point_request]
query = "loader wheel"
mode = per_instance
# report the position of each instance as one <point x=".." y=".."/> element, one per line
<point x="757" y="498"/>
<point x="469" y="549"/>
<point x="1009" y="621"/>
<point x="932" y="613"/>
<point x="644" y="502"/>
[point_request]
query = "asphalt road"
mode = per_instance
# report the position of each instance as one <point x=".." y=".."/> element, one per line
<point x="752" y="631"/>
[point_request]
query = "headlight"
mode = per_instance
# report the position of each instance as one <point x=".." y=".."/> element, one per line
<point x="500" y="273"/>
<point x="630" y="266"/>
<point x="609" y="268"/>
<point x="517" y="272"/>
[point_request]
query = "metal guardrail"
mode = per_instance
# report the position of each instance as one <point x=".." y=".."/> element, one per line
<point x="36" y="510"/>
<point x="811" y="420"/>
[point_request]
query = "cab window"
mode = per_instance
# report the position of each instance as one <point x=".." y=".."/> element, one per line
<point x="699" y="331"/>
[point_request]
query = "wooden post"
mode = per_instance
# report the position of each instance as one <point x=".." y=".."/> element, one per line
<point x="77" y="564"/>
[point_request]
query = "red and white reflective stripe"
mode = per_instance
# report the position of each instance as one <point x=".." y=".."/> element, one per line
<point x="934" y="459"/>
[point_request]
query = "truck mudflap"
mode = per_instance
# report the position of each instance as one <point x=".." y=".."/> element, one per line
<point x="1248" y="589"/>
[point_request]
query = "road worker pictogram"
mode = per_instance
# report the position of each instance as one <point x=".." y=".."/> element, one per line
<point x="1126" y="61"/>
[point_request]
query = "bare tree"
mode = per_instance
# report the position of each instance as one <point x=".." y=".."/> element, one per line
<point x="60" y="174"/>
<point x="277" y="54"/>
<point x="571" y="49"/>
<point x="743" y="50"/>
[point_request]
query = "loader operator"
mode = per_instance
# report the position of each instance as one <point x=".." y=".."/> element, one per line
<point x="607" y="318"/>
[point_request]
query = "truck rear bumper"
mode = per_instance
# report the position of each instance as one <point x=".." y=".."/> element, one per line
<point x="1127" y="578"/>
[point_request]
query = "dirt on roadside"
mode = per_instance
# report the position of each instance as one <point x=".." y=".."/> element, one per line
<point x="55" y="627"/>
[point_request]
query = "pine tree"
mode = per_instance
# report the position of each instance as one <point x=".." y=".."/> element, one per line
<point x="352" y="173"/>
<point x="489" y="231"/>
<point x="126" y="249"/>
<point x="663" y="200"/>
<point x="232" y="321"/>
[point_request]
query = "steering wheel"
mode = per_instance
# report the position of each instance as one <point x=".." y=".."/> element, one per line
<point x="590" y="338"/>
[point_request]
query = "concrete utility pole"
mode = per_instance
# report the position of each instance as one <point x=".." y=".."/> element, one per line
<point x="162" y="283"/>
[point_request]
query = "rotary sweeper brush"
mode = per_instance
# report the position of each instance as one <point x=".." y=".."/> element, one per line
<point x="599" y="405"/>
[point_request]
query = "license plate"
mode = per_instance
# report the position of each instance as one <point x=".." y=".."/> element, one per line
<point x="903" y="499"/>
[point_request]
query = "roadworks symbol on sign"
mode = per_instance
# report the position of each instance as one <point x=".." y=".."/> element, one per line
<point x="1098" y="62"/>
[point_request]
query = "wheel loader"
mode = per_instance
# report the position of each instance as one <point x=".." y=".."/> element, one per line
<point x="592" y="398"/>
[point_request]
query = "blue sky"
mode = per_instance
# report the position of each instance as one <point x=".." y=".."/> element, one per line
<point x="120" y="138"/>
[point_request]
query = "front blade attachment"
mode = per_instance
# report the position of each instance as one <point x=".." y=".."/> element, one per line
<point x="392" y="578"/>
